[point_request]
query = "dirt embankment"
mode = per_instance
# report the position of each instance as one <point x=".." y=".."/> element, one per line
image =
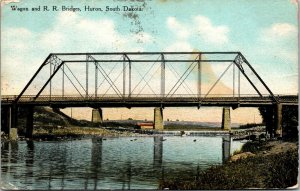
<point x="252" y="149"/>
<point x="52" y="124"/>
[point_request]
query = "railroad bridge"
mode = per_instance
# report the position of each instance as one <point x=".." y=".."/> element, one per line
<point x="145" y="79"/>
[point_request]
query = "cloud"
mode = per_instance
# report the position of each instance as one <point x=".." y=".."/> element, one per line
<point x="17" y="39"/>
<point x="180" y="30"/>
<point x="4" y="2"/>
<point x="280" y="39"/>
<point x="179" y="46"/>
<point x="74" y="33"/>
<point x="210" y="33"/>
<point x="277" y="56"/>
<point x="143" y="37"/>
<point x="70" y="33"/>
<point x="200" y="28"/>
<point x="279" y="32"/>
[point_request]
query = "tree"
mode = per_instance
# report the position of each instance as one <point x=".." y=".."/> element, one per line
<point x="289" y="120"/>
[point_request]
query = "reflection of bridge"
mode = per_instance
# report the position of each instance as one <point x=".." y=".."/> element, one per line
<point x="98" y="169"/>
<point x="151" y="79"/>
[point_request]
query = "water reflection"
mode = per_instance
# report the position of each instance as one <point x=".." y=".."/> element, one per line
<point x="96" y="161"/>
<point x="29" y="163"/>
<point x="226" y="142"/>
<point x="111" y="163"/>
<point x="157" y="151"/>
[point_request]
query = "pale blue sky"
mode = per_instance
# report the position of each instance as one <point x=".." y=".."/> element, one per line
<point x="264" y="31"/>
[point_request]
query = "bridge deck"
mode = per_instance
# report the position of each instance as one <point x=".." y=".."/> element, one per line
<point x="148" y="101"/>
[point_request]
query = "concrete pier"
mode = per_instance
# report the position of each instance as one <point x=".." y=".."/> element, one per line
<point x="13" y="135"/>
<point x="158" y="118"/>
<point x="226" y="122"/>
<point x="278" y="120"/>
<point x="97" y="116"/>
<point x="6" y="119"/>
<point x="9" y="121"/>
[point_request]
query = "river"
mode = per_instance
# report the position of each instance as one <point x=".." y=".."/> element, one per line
<point x="108" y="163"/>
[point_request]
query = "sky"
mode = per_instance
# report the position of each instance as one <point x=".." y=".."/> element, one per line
<point x="264" y="31"/>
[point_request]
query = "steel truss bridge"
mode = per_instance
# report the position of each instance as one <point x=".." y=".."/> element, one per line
<point x="141" y="79"/>
<point x="144" y="79"/>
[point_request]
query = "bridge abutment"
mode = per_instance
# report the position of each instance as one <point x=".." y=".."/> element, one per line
<point x="278" y="119"/>
<point x="158" y="118"/>
<point x="226" y="121"/>
<point x="6" y="120"/>
<point x="9" y="121"/>
<point x="97" y="115"/>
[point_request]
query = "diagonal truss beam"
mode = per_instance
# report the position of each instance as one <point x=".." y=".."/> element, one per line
<point x="212" y="87"/>
<point x="246" y="76"/>
<point x="105" y="75"/>
<point x="47" y="82"/>
<point x="64" y="58"/>
<point x="182" y="77"/>
<point x="259" y="78"/>
<point x="33" y="77"/>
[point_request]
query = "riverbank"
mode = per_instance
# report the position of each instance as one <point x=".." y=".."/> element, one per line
<point x="73" y="132"/>
<point x="52" y="124"/>
<point x="264" y="165"/>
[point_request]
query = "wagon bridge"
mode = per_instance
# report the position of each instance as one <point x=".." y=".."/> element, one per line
<point x="144" y="79"/>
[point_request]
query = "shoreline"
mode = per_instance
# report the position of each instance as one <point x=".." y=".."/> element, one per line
<point x="51" y="123"/>
<point x="259" y="165"/>
<point x="77" y="132"/>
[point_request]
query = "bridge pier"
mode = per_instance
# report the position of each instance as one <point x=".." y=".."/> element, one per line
<point x="29" y="122"/>
<point x="9" y="121"/>
<point x="278" y="120"/>
<point x="226" y="122"/>
<point x="97" y="116"/>
<point x="6" y="119"/>
<point x="158" y="118"/>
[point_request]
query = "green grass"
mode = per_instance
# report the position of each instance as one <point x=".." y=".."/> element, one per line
<point x="272" y="171"/>
<point x="75" y="132"/>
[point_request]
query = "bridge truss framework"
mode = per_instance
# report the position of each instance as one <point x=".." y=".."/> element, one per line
<point x="58" y="64"/>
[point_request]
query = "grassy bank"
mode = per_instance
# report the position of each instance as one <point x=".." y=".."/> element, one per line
<point x="275" y="165"/>
<point x="54" y="132"/>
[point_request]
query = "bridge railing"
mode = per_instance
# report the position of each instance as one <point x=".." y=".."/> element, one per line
<point x="145" y="97"/>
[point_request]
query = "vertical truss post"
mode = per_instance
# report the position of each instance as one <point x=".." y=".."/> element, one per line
<point x="239" y="85"/>
<point x="50" y="85"/>
<point x="63" y="81"/>
<point x="238" y="63"/>
<point x="233" y="81"/>
<point x="129" y="85"/>
<point x="124" y="76"/>
<point x="87" y="77"/>
<point x="49" y="80"/>
<point x="199" y="77"/>
<point x="129" y="75"/>
<point x="96" y="79"/>
<point x="162" y="81"/>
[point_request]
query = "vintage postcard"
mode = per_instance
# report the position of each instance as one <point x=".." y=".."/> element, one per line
<point x="149" y="94"/>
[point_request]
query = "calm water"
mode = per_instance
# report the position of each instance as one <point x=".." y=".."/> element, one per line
<point x="111" y="163"/>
